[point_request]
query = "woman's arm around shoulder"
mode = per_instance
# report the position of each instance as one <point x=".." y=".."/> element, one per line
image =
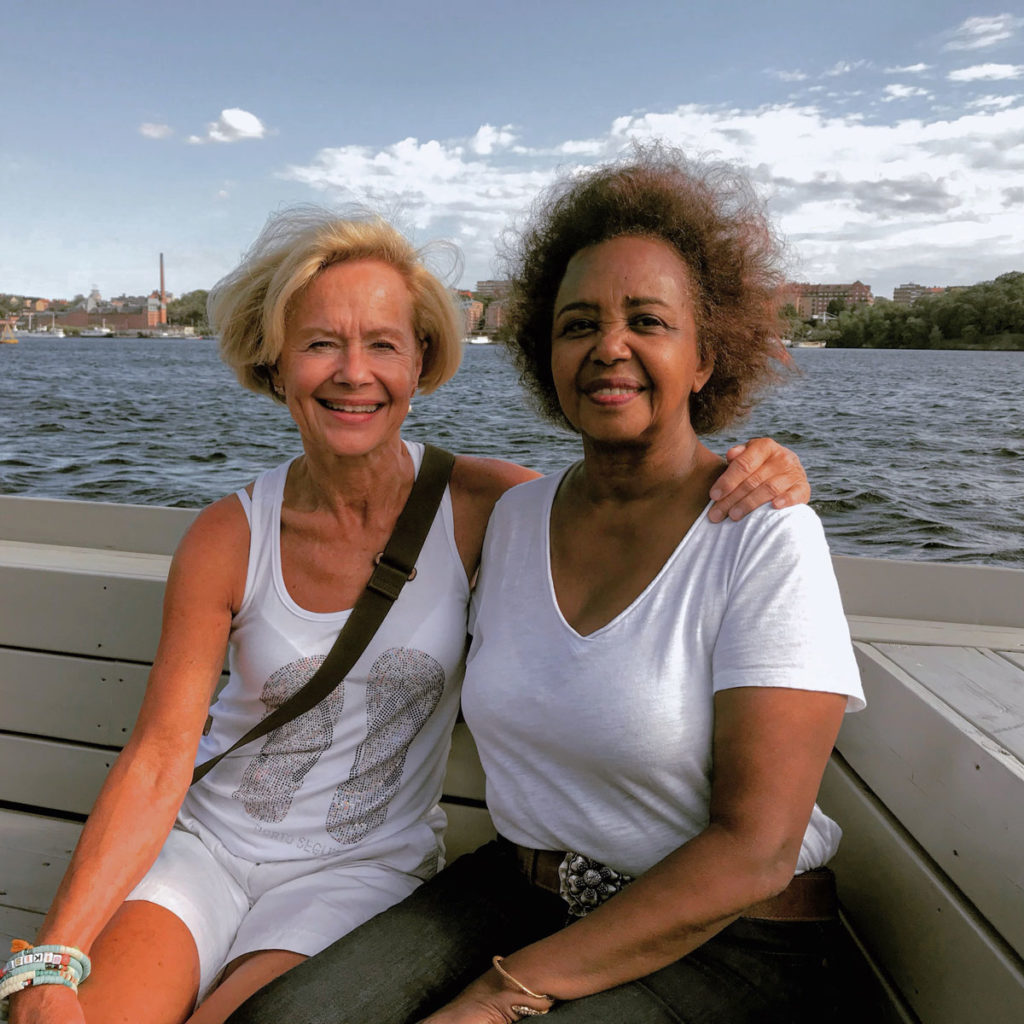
<point x="476" y="486"/>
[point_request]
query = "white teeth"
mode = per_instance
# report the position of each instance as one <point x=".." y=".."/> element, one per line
<point x="614" y="391"/>
<point x="338" y="407"/>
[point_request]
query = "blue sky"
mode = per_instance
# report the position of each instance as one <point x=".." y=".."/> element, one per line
<point x="887" y="137"/>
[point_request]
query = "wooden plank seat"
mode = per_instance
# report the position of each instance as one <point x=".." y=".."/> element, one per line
<point x="927" y="782"/>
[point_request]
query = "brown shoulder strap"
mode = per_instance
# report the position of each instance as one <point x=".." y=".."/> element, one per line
<point x="396" y="566"/>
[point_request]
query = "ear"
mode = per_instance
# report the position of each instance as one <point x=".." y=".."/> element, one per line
<point x="705" y="367"/>
<point x="421" y="356"/>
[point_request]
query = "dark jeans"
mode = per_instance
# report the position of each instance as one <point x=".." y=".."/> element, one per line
<point x="413" y="958"/>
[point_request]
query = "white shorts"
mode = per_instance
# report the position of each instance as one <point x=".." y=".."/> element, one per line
<point x="233" y="906"/>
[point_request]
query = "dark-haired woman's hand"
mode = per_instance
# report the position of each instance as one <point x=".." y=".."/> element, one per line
<point x="488" y="1000"/>
<point x="760" y="472"/>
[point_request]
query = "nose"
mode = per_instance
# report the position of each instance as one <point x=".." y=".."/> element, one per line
<point x="353" y="366"/>
<point x="612" y="343"/>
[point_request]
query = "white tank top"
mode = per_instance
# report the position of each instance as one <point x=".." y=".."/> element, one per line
<point x="362" y="771"/>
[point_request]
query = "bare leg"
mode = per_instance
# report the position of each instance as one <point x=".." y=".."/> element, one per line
<point x="145" y="969"/>
<point x="242" y="977"/>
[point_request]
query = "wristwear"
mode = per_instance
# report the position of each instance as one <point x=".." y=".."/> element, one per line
<point x="30" y="966"/>
<point x="521" y="1008"/>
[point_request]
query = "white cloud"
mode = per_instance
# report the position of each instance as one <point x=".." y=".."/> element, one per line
<point x="903" y="92"/>
<point x="844" y="67"/>
<point x="233" y="125"/>
<point x="857" y="198"/>
<point x="787" y="76"/>
<point x="987" y="73"/>
<point x="979" y="32"/>
<point x="910" y="69"/>
<point x="488" y="139"/>
<point x="993" y="102"/>
<point x="153" y="130"/>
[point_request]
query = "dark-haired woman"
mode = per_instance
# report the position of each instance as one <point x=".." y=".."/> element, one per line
<point x="654" y="699"/>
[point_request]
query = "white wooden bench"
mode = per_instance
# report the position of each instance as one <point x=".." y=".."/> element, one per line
<point x="928" y="783"/>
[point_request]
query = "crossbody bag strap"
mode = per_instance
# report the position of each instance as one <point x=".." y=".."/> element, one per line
<point x="395" y="567"/>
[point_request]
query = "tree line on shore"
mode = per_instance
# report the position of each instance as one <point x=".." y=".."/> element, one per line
<point x="989" y="315"/>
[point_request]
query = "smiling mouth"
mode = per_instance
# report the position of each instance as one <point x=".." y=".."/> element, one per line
<point x="350" y="407"/>
<point x="607" y="392"/>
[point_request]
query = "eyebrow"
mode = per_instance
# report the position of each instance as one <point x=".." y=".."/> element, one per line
<point x="325" y="329"/>
<point x="632" y="301"/>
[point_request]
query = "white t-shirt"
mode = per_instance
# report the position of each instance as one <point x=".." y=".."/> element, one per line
<point x="602" y="743"/>
<point x="358" y="776"/>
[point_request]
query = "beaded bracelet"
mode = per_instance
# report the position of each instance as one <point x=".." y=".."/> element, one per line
<point x="44" y="956"/>
<point x="40" y="965"/>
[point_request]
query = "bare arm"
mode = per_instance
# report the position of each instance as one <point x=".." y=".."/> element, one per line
<point x="137" y="804"/>
<point x="770" y="750"/>
<point x="759" y="472"/>
<point x="476" y="486"/>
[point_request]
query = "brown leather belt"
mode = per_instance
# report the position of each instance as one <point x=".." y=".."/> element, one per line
<point x="809" y="897"/>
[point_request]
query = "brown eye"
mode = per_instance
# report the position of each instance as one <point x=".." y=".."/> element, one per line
<point x="647" y="320"/>
<point x="577" y="327"/>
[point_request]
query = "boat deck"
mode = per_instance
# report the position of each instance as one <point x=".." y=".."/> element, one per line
<point x="927" y="782"/>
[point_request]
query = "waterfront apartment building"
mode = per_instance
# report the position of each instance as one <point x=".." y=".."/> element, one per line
<point x="906" y="294"/>
<point x="493" y="289"/>
<point x="813" y="299"/>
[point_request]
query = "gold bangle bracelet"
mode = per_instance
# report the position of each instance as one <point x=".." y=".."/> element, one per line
<point x="496" y="961"/>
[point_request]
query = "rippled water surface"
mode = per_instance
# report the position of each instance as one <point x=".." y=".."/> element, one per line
<point x="911" y="454"/>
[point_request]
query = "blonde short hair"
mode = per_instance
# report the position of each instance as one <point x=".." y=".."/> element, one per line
<point x="248" y="307"/>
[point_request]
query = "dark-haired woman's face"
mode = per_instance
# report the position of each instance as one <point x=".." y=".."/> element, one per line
<point x="624" y="354"/>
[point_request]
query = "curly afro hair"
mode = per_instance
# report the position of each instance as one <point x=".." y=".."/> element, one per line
<point x="708" y="213"/>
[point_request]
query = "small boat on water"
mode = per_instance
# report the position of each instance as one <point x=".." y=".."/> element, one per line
<point x="927" y="782"/>
<point x="807" y="344"/>
<point x="96" y="332"/>
<point x="478" y="339"/>
<point x="7" y="336"/>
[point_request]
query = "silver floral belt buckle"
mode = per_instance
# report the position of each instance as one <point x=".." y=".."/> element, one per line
<point x="585" y="884"/>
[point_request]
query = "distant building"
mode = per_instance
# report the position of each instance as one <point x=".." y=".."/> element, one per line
<point x="116" y="320"/>
<point x="494" y="318"/>
<point x="493" y="289"/>
<point x="813" y="299"/>
<point x="906" y="294"/>
<point x="472" y="313"/>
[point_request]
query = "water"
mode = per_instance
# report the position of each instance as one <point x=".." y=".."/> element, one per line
<point x="915" y="455"/>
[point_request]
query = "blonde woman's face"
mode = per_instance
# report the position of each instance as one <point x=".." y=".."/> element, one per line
<point x="351" y="359"/>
